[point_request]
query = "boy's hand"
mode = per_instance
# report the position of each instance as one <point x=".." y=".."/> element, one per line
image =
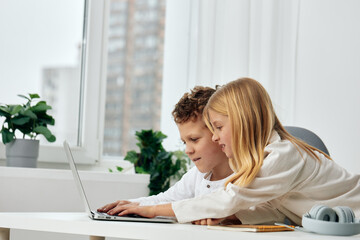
<point x="208" y="221"/>
<point x="116" y="207"/>
<point x="218" y="221"/>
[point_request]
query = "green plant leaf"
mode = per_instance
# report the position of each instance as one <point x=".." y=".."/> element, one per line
<point x="45" y="119"/>
<point x="46" y="132"/>
<point x="4" y="112"/>
<point x="29" y="113"/>
<point x="23" y="96"/>
<point x="131" y="156"/>
<point x="20" y="120"/>
<point x="7" y="136"/>
<point x="140" y="170"/>
<point x="52" y="138"/>
<point x="34" y="95"/>
<point x="40" y="107"/>
<point x="14" y="109"/>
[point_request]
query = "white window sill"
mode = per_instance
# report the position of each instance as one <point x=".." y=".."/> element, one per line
<point x="102" y="166"/>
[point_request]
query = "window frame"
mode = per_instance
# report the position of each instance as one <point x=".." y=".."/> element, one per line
<point x="92" y="97"/>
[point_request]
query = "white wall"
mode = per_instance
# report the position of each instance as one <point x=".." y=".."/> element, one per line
<point x="28" y="189"/>
<point x="328" y="76"/>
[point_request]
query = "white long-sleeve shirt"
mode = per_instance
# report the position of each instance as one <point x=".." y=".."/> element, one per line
<point x="192" y="184"/>
<point x="288" y="183"/>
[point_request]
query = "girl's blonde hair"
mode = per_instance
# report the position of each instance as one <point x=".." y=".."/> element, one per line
<point x="252" y="118"/>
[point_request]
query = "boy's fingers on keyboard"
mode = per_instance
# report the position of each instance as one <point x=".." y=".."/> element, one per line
<point x="113" y="205"/>
<point x="117" y="209"/>
<point x="107" y="207"/>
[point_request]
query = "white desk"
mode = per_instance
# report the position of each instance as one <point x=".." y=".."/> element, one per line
<point x="79" y="223"/>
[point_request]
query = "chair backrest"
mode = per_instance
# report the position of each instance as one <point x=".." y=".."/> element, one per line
<point x="307" y="136"/>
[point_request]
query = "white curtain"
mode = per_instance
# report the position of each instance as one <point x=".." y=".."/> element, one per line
<point x="221" y="40"/>
<point x="247" y="38"/>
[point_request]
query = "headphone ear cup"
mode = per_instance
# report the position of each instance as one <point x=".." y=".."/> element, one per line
<point x="317" y="221"/>
<point x="324" y="213"/>
<point x="344" y="214"/>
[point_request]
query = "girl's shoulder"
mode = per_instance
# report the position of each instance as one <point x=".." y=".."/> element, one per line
<point x="283" y="155"/>
<point x="279" y="147"/>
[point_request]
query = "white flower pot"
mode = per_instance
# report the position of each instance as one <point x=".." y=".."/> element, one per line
<point x="22" y="153"/>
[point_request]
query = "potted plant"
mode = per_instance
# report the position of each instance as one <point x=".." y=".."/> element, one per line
<point x="153" y="159"/>
<point x="30" y="120"/>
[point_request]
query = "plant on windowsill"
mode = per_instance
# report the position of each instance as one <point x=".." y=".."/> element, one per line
<point x="153" y="159"/>
<point x="31" y="120"/>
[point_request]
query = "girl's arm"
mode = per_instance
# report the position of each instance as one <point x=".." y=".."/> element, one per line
<point x="283" y="170"/>
<point x="261" y="214"/>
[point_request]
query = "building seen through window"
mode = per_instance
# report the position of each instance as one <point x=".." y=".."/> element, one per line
<point x="60" y="87"/>
<point x="134" y="72"/>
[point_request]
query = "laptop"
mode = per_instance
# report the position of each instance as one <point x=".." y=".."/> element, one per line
<point x="103" y="216"/>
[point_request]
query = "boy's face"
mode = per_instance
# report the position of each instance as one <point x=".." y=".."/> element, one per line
<point x="205" y="153"/>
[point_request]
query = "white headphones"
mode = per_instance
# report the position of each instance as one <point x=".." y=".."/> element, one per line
<point x="339" y="221"/>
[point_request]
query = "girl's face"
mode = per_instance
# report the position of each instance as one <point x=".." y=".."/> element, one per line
<point x="222" y="132"/>
<point x="206" y="155"/>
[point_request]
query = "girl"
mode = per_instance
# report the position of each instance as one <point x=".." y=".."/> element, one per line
<point x="272" y="168"/>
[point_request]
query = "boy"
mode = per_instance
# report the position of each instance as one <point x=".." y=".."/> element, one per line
<point x="211" y="164"/>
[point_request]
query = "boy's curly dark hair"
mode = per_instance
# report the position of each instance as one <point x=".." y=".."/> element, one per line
<point x="192" y="104"/>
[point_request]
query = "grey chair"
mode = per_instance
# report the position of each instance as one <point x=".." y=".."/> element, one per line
<point x="307" y="136"/>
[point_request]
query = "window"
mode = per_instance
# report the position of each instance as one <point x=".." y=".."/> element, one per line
<point x="40" y="49"/>
<point x="122" y="70"/>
